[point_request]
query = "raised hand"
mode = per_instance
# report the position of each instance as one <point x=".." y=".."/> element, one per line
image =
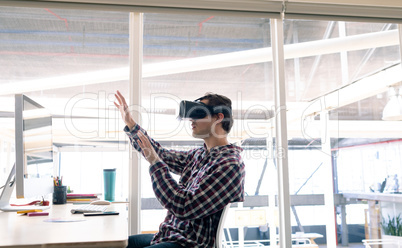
<point x="124" y="111"/>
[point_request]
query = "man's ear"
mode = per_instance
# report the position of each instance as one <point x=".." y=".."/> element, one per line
<point x="220" y="117"/>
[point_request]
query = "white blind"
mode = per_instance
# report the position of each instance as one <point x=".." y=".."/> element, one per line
<point x="343" y="12"/>
<point x="266" y="9"/>
<point x="359" y="10"/>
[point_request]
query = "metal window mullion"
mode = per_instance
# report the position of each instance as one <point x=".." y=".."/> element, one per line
<point x="344" y="55"/>
<point x="2" y="156"/>
<point x="135" y="55"/>
<point x="285" y="230"/>
<point x="400" y="43"/>
<point x="329" y="201"/>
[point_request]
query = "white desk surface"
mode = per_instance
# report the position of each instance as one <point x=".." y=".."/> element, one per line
<point x="307" y="235"/>
<point x="310" y="236"/>
<point x="96" y="231"/>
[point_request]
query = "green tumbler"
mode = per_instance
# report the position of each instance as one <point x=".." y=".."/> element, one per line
<point x="109" y="183"/>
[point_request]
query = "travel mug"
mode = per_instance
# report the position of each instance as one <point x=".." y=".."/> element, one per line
<point x="109" y="183"/>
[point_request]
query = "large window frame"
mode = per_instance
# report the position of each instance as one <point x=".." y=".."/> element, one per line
<point x="295" y="11"/>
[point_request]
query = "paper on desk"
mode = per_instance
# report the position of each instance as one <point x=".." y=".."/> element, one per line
<point x="63" y="220"/>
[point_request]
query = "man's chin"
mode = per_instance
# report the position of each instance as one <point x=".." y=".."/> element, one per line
<point x="199" y="136"/>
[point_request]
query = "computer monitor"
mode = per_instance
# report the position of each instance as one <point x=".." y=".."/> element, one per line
<point x="32" y="172"/>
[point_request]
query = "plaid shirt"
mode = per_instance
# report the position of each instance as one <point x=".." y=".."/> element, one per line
<point x="208" y="182"/>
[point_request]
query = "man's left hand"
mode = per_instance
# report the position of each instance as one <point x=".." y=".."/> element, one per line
<point x="147" y="149"/>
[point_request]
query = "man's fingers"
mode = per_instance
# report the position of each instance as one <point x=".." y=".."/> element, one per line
<point x="118" y="98"/>
<point x="143" y="139"/>
<point x="145" y="142"/>
<point x="121" y="107"/>
<point x="122" y="104"/>
<point x="122" y="99"/>
<point x="145" y="149"/>
<point x="140" y="143"/>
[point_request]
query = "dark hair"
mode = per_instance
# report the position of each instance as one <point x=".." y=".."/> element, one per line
<point x="219" y="100"/>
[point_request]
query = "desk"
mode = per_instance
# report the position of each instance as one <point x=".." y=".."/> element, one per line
<point x="96" y="231"/>
<point x="310" y="236"/>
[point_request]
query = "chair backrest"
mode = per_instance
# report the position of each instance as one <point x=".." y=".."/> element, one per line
<point x="220" y="235"/>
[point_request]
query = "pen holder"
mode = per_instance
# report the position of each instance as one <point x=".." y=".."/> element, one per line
<point x="60" y="195"/>
<point x="109" y="181"/>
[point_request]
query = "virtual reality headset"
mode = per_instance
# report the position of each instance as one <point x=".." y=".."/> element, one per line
<point x="198" y="110"/>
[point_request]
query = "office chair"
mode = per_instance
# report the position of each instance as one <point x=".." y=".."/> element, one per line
<point x="220" y="235"/>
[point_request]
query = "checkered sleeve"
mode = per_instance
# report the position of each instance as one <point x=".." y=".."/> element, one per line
<point x="175" y="160"/>
<point x="210" y="192"/>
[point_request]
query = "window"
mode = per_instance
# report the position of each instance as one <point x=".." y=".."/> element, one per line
<point x="208" y="53"/>
<point x="71" y="62"/>
<point x="326" y="73"/>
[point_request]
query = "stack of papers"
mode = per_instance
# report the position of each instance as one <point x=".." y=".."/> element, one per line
<point x="81" y="198"/>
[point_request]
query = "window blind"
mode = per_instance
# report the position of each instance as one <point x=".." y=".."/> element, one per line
<point x="343" y="12"/>
<point x="353" y="10"/>
<point x="265" y="9"/>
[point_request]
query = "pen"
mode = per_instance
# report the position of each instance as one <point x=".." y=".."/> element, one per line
<point x="58" y="181"/>
<point x="29" y="211"/>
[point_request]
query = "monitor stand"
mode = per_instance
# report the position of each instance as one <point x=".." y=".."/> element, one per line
<point x="6" y="195"/>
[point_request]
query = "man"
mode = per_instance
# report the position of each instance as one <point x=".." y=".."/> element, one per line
<point x="211" y="176"/>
